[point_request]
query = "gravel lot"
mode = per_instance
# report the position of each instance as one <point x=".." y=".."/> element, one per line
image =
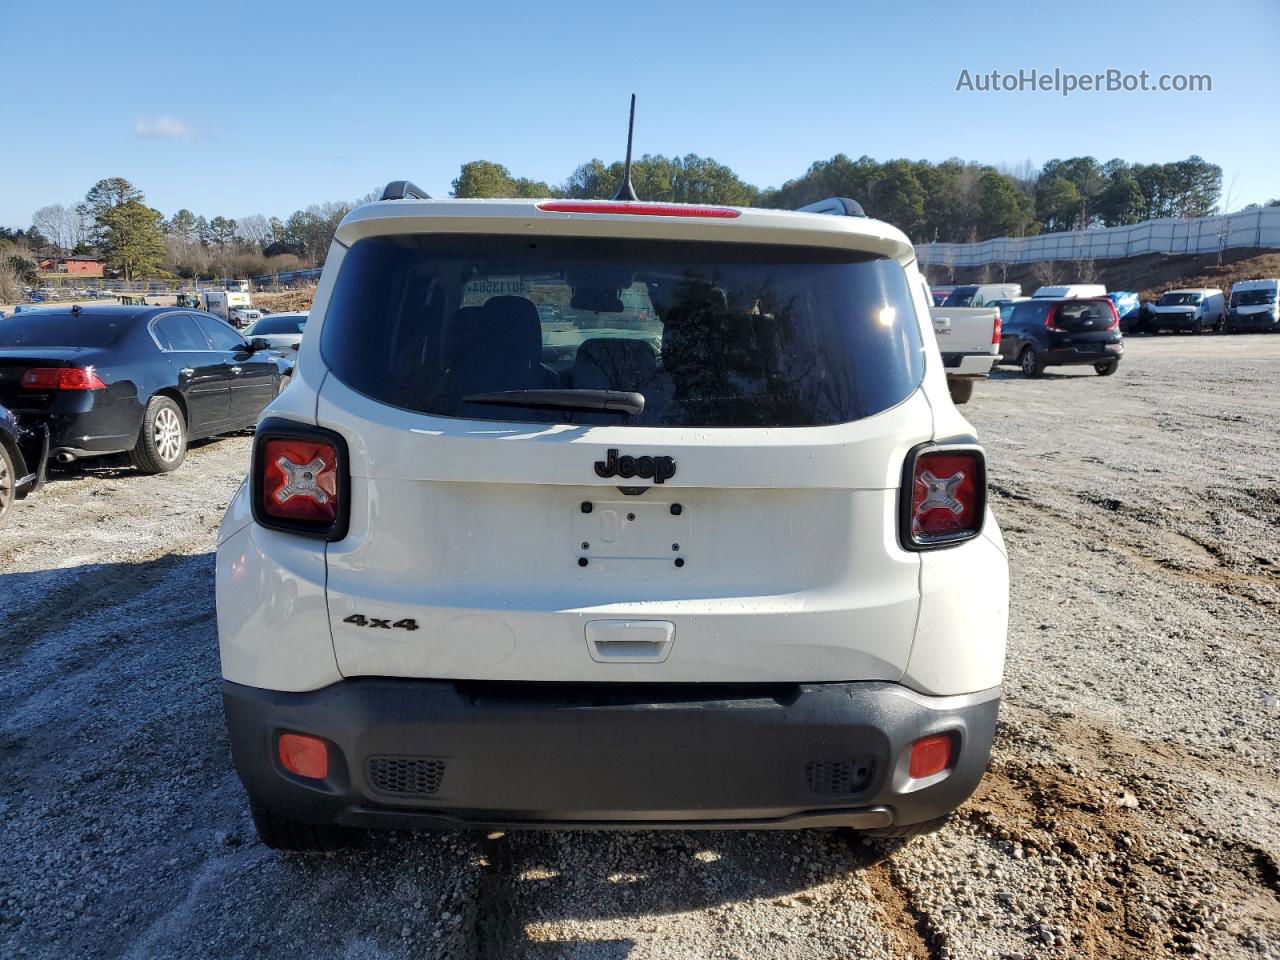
<point x="1132" y="810"/>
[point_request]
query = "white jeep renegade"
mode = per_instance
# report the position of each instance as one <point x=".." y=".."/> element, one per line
<point x="611" y="514"/>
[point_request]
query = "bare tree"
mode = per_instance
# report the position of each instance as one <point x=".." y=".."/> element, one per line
<point x="1004" y="260"/>
<point x="949" y="261"/>
<point x="1222" y="226"/>
<point x="1086" y="267"/>
<point x="255" y="230"/>
<point x="59" y="225"/>
<point x="1046" y="272"/>
<point x="10" y="290"/>
<point x="984" y="275"/>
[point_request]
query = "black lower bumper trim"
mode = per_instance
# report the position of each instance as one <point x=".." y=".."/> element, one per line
<point x="425" y="753"/>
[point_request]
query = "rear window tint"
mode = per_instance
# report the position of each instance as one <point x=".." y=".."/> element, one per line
<point x="276" y="325"/>
<point x="712" y="335"/>
<point x="1033" y="311"/>
<point x="220" y="335"/>
<point x="178" y="331"/>
<point x="1084" y="310"/>
<point x="49" y="329"/>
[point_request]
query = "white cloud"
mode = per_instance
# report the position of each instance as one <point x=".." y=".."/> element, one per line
<point x="162" y="128"/>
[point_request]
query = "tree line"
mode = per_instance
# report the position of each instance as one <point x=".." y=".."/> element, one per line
<point x="948" y="201"/>
<point x="951" y="201"/>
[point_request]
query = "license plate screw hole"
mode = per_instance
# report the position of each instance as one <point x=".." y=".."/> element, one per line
<point x="679" y="561"/>
<point x="585" y="545"/>
<point x="586" y="506"/>
<point x="676" y="509"/>
<point x="582" y="561"/>
<point x="631" y="516"/>
<point x="675" y="546"/>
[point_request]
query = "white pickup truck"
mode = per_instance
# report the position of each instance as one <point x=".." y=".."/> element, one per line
<point x="969" y="340"/>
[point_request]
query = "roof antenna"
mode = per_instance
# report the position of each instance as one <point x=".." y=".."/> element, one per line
<point x="626" y="191"/>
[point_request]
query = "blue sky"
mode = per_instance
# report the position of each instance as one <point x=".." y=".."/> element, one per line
<point x="239" y="108"/>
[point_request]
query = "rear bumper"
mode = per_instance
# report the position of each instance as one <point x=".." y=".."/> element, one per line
<point x="424" y="753"/>
<point x="968" y="364"/>
<point x="88" y="434"/>
<point x="1060" y="354"/>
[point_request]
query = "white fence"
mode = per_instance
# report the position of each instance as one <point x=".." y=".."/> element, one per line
<point x="1250" y="228"/>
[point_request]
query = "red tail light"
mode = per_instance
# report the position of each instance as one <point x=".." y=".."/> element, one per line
<point x="944" y="496"/>
<point x="300" y="480"/>
<point x="62" y="378"/>
<point x="1049" y="319"/>
<point x="638" y="209"/>
<point x="1115" y="316"/>
<point x="995" y="330"/>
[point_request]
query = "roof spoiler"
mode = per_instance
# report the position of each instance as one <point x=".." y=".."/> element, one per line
<point x="407" y="190"/>
<point x="838" y="206"/>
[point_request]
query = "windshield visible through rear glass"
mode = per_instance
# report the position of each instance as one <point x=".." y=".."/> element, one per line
<point x="1179" y="300"/>
<point x="721" y="335"/>
<point x="275" y="325"/>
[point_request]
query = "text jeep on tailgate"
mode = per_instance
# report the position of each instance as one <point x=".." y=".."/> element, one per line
<point x="611" y="514"/>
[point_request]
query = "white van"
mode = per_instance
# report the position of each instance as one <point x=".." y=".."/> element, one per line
<point x="711" y="548"/>
<point x="1070" y="291"/>
<point x="1254" y="306"/>
<point x="1193" y="309"/>
<point x="982" y="294"/>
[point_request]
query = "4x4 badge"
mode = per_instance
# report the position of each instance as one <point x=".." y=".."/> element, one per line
<point x="660" y="469"/>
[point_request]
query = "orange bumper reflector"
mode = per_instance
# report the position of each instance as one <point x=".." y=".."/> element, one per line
<point x="305" y="756"/>
<point x="930" y="755"/>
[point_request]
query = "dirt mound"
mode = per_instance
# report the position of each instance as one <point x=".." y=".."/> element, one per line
<point x="285" y="300"/>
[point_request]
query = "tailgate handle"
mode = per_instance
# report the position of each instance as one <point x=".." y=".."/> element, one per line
<point x="630" y="641"/>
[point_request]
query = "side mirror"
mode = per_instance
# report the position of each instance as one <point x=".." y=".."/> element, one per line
<point x="259" y="343"/>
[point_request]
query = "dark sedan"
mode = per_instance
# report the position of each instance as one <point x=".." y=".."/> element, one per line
<point x="23" y="450"/>
<point x="136" y="380"/>
<point x="1043" y="333"/>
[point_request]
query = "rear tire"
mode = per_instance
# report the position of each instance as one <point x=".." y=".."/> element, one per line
<point x="1031" y="362"/>
<point x="1197" y="328"/>
<point x="961" y="390"/>
<point x="1106" y="368"/>
<point x="906" y="831"/>
<point x="8" y="485"/>
<point x="162" y="441"/>
<point x="281" y="833"/>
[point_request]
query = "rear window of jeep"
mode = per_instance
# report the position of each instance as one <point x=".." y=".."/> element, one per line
<point x="711" y="335"/>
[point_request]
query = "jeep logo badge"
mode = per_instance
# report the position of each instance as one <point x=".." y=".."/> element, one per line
<point x="660" y="469"/>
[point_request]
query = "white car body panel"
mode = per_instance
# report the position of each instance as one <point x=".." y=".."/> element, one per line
<point x="1070" y="291"/>
<point x="273" y="619"/>
<point x="471" y="527"/>
<point x="965" y="337"/>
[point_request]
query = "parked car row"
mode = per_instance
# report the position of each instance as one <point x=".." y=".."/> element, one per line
<point x="1252" y="305"/>
<point x="83" y="382"/>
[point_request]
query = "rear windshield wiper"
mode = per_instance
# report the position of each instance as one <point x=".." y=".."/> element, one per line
<point x="616" y="401"/>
